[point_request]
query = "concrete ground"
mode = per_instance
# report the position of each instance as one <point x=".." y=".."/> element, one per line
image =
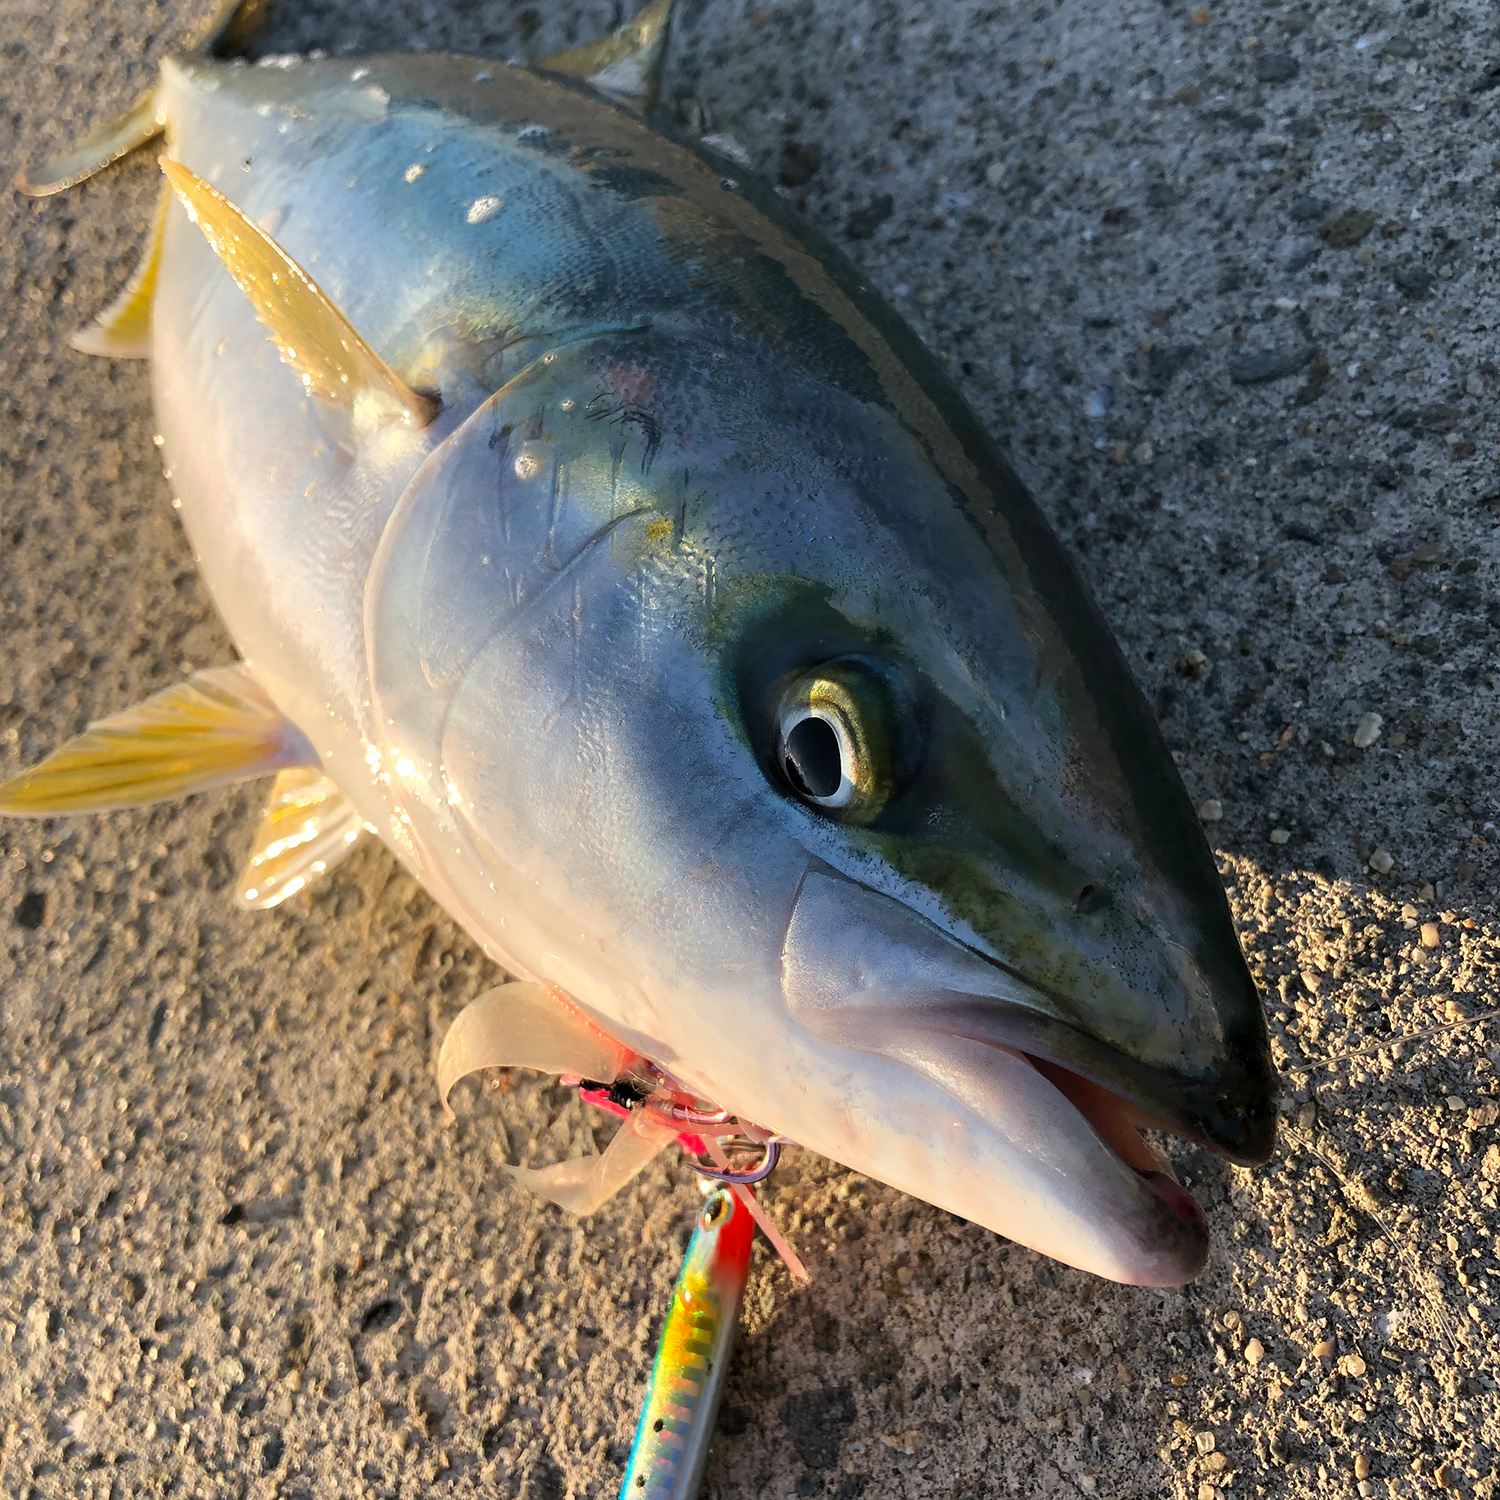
<point x="1225" y="285"/>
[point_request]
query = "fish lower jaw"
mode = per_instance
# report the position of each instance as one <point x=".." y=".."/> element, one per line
<point x="1118" y="1125"/>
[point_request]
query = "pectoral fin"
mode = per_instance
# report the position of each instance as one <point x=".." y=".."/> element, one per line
<point x="123" y="329"/>
<point x="627" y="63"/>
<point x="215" y="728"/>
<point x="313" y="336"/>
<point x="308" y="828"/>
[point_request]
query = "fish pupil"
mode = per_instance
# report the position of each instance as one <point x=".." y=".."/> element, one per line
<point x="812" y="758"/>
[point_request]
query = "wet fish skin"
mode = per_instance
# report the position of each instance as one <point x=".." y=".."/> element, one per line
<point x="540" y="643"/>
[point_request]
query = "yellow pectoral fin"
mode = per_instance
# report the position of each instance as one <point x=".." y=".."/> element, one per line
<point x="627" y="63"/>
<point x="123" y="329"/>
<point x="308" y="828"/>
<point x="314" y="337"/>
<point x="215" y="728"/>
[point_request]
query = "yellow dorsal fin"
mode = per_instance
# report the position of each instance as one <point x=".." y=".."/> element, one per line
<point x="314" y="337"/>
<point x="123" y="329"/>
<point x="626" y="64"/>
<point x="226" y="31"/>
<point x="214" y="728"/>
<point x="308" y="828"/>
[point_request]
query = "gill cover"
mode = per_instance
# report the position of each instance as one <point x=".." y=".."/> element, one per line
<point x="511" y="523"/>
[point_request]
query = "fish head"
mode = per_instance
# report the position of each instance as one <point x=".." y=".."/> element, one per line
<point x="840" y="770"/>
<point x="1010" y="898"/>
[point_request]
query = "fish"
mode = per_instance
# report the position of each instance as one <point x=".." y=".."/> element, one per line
<point x="593" y="534"/>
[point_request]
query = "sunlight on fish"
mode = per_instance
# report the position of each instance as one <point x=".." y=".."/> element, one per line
<point x="591" y="529"/>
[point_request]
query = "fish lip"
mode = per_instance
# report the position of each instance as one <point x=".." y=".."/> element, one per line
<point x="1179" y="1248"/>
<point x="1116" y="1122"/>
<point x="1195" y="1108"/>
<point x="854" y="958"/>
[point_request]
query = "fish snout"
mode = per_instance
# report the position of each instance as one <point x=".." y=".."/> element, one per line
<point x="1058" y="1159"/>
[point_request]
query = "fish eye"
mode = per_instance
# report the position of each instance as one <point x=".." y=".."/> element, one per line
<point x="837" y="738"/>
<point x="815" y="758"/>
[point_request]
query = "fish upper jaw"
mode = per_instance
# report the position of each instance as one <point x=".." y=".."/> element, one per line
<point x="864" y="971"/>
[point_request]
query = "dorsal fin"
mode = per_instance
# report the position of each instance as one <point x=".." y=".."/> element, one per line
<point x="627" y="63"/>
<point x="211" y="729"/>
<point x="226" y="32"/>
<point x="123" y="329"/>
<point x="314" y="337"/>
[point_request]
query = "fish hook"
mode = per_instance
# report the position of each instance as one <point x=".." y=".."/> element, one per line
<point x="744" y="1177"/>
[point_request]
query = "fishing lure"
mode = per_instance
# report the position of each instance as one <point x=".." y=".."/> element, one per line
<point x="692" y="1359"/>
<point x="594" y="535"/>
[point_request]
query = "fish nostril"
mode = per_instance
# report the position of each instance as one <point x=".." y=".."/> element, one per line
<point x="1089" y="899"/>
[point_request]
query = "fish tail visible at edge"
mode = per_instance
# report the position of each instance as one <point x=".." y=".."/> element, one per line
<point x="231" y="27"/>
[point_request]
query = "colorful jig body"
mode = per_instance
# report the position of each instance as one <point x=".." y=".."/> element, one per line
<point x="687" y="1379"/>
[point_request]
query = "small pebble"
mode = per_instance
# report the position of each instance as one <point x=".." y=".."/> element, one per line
<point x="1280" y="836"/>
<point x="1367" y="731"/>
<point x="1204" y="1442"/>
<point x="1445" y="1476"/>
<point x="1255" y="1351"/>
<point x="1381" y="862"/>
<point x="1361" y="1466"/>
<point x="1211" y="811"/>
<point x="1352" y="1364"/>
<point x="1324" y="1349"/>
<point x="1429" y="934"/>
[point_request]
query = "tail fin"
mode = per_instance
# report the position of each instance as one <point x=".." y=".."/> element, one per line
<point x="228" y="31"/>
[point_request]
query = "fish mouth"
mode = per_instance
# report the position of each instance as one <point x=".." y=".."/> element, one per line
<point x="1066" y="1109"/>
<point x="1118" y="1124"/>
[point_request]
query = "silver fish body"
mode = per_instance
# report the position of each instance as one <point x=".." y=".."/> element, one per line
<point x="703" y="657"/>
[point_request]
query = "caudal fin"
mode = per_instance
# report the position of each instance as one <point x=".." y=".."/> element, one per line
<point x="227" y="31"/>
